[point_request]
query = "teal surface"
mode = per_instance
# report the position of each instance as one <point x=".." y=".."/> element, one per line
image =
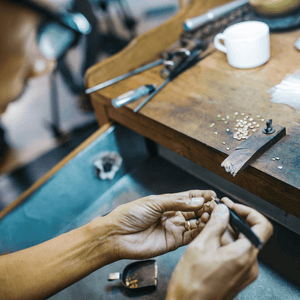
<point x="69" y="192"/>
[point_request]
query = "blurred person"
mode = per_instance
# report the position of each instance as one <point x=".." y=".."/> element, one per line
<point x="216" y="264"/>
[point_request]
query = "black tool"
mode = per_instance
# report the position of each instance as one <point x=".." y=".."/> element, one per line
<point x="236" y="221"/>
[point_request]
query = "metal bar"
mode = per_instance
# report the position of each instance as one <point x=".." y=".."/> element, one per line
<point x="124" y="76"/>
<point x="212" y="15"/>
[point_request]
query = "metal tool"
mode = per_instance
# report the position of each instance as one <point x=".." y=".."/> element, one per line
<point x="236" y="221"/>
<point x="212" y="15"/>
<point x="133" y="95"/>
<point x="124" y="76"/>
<point x="192" y="60"/>
<point x="138" y="275"/>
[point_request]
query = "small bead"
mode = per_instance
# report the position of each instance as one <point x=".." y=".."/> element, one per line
<point x="228" y="148"/>
<point x="254" y="130"/>
<point x="225" y="122"/>
<point x="250" y="119"/>
<point x="258" y="116"/>
<point x="242" y="114"/>
<point x="273" y="158"/>
<point x="254" y="123"/>
<point x="236" y="113"/>
<point x="216" y="132"/>
<point x="262" y="119"/>
<point x="223" y="119"/>
<point x="218" y="116"/>
<point x="223" y="143"/>
<point x="227" y="129"/>
<point x="227" y="117"/>
<point x="280" y="167"/>
<point x="239" y="138"/>
<point x="257" y="125"/>
<point x="277" y="158"/>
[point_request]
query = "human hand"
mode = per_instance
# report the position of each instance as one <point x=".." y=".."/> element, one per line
<point x="212" y="269"/>
<point x="154" y="225"/>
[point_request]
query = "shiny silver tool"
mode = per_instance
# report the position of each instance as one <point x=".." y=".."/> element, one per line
<point x="133" y="95"/>
<point x="212" y="15"/>
<point x="124" y="76"/>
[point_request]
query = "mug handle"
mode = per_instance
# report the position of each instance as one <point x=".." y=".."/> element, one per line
<point x="218" y="44"/>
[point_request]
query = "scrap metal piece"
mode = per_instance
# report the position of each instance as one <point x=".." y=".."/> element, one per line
<point x="107" y="164"/>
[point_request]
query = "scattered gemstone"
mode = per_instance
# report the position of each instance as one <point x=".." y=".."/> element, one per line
<point x="242" y="114"/>
<point x="225" y="122"/>
<point x="236" y="113"/>
<point x="227" y="129"/>
<point x="280" y="167"/>
<point x="250" y="119"/>
<point x="258" y="116"/>
<point x="262" y="119"/>
<point x="257" y="125"/>
<point x="227" y="117"/>
<point x="254" y="130"/>
<point x="254" y="123"/>
<point x="273" y="158"/>
<point x="223" y="143"/>
<point x="228" y="148"/>
<point x="277" y="158"/>
<point x="216" y="132"/>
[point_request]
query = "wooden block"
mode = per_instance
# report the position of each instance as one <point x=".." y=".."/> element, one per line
<point x="249" y="150"/>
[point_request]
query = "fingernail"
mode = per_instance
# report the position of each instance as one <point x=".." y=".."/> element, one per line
<point x="197" y="201"/>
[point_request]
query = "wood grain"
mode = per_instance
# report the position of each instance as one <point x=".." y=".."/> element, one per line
<point x="251" y="149"/>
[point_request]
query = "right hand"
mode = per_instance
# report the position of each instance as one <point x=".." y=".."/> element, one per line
<point x="211" y="270"/>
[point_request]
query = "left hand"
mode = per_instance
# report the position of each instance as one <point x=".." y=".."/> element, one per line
<point x="154" y="225"/>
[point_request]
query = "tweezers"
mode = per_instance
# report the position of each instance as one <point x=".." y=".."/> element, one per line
<point x="238" y="223"/>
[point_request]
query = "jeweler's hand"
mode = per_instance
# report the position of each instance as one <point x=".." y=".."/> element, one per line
<point x="209" y="270"/>
<point x="155" y="225"/>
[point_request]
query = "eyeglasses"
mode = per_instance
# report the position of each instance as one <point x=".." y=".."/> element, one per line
<point x="59" y="31"/>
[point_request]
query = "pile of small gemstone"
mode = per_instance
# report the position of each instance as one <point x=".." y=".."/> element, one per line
<point x="245" y="126"/>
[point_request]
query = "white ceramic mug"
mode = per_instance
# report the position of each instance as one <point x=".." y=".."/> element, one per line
<point x="246" y="44"/>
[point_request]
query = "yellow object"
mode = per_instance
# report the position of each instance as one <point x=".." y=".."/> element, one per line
<point x="274" y="7"/>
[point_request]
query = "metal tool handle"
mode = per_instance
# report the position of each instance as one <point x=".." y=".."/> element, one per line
<point x="212" y="15"/>
<point x="133" y="95"/>
<point x="152" y="95"/>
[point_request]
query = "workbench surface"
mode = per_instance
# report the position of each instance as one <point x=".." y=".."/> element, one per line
<point x="179" y="117"/>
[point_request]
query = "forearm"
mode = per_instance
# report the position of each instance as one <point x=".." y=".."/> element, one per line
<point x="43" y="270"/>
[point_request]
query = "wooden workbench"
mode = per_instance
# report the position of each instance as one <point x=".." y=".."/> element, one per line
<point x="179" y="117"/>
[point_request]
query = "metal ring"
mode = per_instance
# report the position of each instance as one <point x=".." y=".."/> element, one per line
<point x="188" y="225"/>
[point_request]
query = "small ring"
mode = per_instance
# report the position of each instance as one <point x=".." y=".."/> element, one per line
<point x="188" y="225"/>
